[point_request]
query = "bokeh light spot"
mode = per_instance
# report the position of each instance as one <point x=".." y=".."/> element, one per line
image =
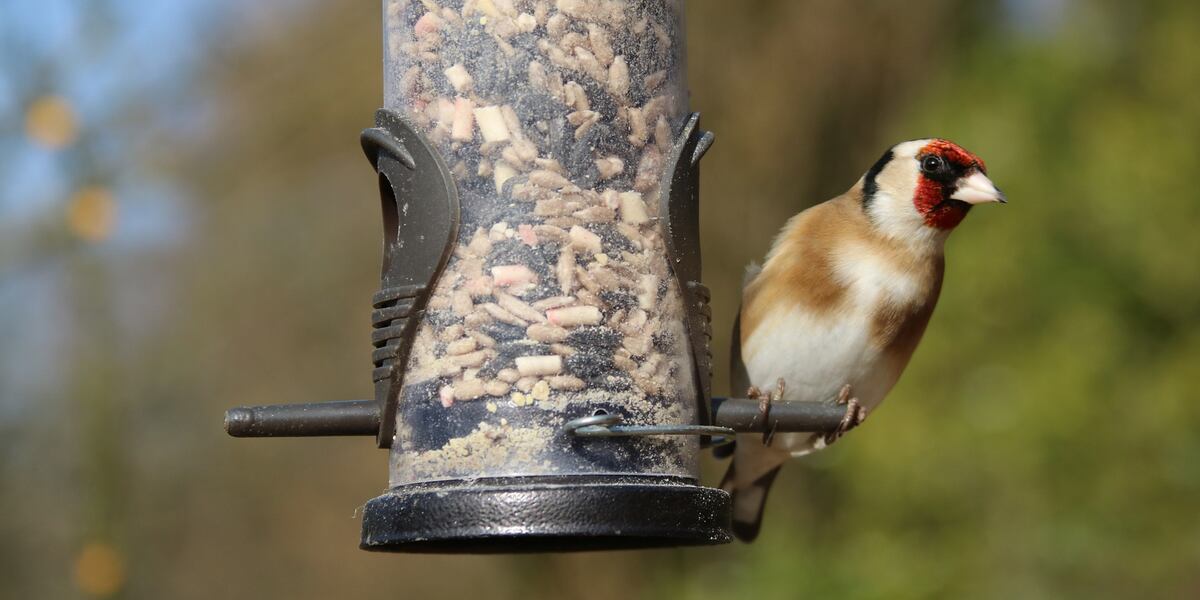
<point x="99" y="570"/>
<point x="92" y="213"/>
<point x="50" y="122"/>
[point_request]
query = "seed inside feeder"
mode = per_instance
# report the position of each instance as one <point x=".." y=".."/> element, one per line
<point x="556" y="119"/>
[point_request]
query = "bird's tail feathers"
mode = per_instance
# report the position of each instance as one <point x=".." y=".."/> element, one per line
<point x="749" y="503"/>
<point x="748" y="480"/>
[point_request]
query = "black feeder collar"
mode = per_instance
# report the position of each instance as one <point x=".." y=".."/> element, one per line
<point x="421" y="218"/>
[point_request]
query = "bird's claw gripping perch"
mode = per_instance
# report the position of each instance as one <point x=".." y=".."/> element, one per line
<point x="764" y="405"/>
<point x="856" y="413"/>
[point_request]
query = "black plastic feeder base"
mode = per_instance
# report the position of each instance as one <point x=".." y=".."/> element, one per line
<point x="546" y="514"/>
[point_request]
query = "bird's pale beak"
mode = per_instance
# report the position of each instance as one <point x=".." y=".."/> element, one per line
<point x="976" y="188"/>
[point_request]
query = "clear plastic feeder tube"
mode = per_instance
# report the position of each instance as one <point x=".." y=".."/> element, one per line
<point x="555" y="119"/>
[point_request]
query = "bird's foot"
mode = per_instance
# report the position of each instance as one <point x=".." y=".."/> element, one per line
<point x="856" y="413"/>
<point x="764" y="406"/>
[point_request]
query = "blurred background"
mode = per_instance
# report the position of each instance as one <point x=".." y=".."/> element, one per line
<point x="187" y="223"/>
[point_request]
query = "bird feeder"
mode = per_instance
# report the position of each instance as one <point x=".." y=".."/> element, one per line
<point x="541" y="335"/>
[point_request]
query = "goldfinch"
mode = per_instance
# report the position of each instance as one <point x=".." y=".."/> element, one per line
<point x="839" y="305"/>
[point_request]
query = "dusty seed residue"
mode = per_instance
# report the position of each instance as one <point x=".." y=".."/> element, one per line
<point x="486" y="449"/>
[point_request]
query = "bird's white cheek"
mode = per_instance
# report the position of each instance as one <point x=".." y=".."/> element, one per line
<point x="896" y="215"/>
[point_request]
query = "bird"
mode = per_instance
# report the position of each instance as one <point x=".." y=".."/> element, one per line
<point x="842" y="300"/>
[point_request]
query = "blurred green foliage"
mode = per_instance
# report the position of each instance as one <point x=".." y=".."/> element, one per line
<point x="1043" y="443"/>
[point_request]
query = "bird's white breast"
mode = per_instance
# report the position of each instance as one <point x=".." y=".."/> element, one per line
<point x="816" y="353"/>
<point x="873" y="279"/>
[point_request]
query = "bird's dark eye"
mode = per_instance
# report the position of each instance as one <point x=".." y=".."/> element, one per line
<point x="931" y="163"/>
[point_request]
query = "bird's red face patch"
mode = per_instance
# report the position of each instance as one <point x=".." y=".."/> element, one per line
<point x="954" y="154"/>
<point x="942" y="163"/>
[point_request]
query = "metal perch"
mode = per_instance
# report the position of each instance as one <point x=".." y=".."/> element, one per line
<point x="362" y="417"/>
